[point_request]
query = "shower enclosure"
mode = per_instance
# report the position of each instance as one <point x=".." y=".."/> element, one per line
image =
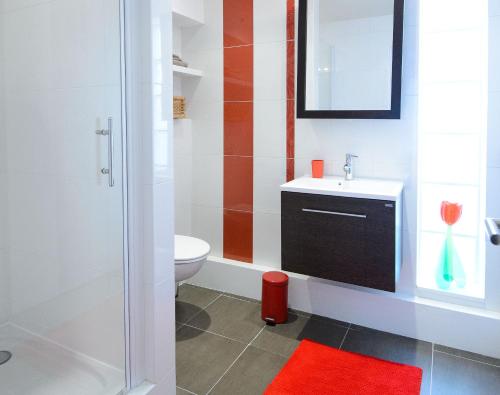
<point x="62" y="249"/>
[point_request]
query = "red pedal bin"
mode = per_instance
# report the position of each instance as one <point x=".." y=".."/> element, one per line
<point x="275" y="297"/>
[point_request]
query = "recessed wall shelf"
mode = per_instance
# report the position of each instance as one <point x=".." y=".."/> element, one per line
<point x="187" y="72"/>
<point x="181" y="20"/>
<point x="188" y="13"/>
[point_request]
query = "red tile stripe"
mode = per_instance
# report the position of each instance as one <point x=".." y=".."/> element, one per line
<point x="290" y="90"/>
<point x="238" y="130"/>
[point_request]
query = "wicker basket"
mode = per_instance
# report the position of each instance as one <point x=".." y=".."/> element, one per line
<point x="179" y="107"/>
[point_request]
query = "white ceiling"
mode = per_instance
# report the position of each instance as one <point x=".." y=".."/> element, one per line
<point x="339" y="10"/>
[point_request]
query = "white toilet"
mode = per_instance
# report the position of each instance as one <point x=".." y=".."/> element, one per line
<point x="190" y="255"/>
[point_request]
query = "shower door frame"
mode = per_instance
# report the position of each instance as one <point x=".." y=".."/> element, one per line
<point x="125" y="208"/>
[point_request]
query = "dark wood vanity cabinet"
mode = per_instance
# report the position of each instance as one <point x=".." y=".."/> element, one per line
<point x="344" y="239"/>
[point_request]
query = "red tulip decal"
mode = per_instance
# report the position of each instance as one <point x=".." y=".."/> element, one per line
<point x="450" y="271"/>
<point x="451" y="212"/>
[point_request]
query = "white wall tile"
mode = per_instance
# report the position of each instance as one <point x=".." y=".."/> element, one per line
<point x="308" y="137"/>
<point x="493" y="193"/>
<point x="162" y="353"/>
<point x="269" y="174"/>
<point x="407" y="277"/>
<point x="183" y="193"/>
<point x="183" y="137"/>
<point x="163" y="232"/>
<point x="208" y="180"/>
<point x="494" y="7"/>
<point x="392" y="170"/>
<point x="269" y="21"/>
<point x="452" y="56"/>
<point x="207" y="225"/>
<point x="177" y="41"/>
<point x="494" y="129"/>
<point x="208" y="127"/>
<point x="411" y="16"/>
<point x="302" y="167"/>
<point x="410" y="61"/>
<point x="270" y="71"/>
<point x="494" y="54"/>
<point x="441" y="19"/>
<point x="269" y="128"/>
<point x="208" y="35"/>
<point x="267" y="239"/>
<point x="210" y="86"/>
<point x="410" y="200"/>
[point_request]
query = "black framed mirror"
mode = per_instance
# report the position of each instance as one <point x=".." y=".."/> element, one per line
<point x="350" y="59"/>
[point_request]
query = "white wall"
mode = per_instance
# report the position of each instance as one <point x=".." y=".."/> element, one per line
<point x="386" y="148"/>
<point x="269" y="128"/>
<point x="199" y="142"/>
<point x="183" y="153"/>
<point x="64" y="239"/>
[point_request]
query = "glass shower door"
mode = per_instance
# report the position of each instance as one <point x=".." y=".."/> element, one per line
<point x="61" y="198"/>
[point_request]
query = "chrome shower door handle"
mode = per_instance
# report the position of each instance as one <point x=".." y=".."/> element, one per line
<point x="493" y="230"/>
<point x="109" y="170"/>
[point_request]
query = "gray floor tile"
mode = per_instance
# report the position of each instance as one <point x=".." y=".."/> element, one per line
<point x="231" y="317"/>
<point x="202" y="358"/>
<point x="191" y="301"/>
<point x="329" y="320"/>
<point x="180" y="391"/>
<point x="241" y="297"/>
<point x="468" y="355"/>
<point x="392" y="348"/>
<point x="459" y="376"/>
<point x="284" y="339"/>
<point x="251" y="374"/>
<point x="299" y="312"/>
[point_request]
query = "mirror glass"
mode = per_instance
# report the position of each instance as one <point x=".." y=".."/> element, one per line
<point x="349" y="55"/>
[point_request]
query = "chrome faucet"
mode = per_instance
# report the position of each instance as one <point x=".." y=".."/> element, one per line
<point x="348" y="166"/>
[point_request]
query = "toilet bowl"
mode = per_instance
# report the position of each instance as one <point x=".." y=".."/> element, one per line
<point x="190" y="255"/>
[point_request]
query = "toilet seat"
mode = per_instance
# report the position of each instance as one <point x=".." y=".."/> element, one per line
<point x="190" y="249"/>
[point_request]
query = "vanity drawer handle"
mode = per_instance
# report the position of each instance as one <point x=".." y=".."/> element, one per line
<point x="308" y="210"/>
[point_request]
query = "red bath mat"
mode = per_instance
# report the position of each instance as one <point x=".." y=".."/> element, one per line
<point x="320" y="370"/>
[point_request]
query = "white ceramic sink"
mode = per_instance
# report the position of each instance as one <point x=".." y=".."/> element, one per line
<point x="337" y="186"/>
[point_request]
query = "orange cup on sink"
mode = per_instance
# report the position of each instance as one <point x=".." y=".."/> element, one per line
<point x="318" y="167"/>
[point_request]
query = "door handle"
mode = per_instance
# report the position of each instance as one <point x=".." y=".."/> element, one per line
<point x="493" y="230"/>
<point x="337" y="213"/>
<point x="109" y="133"/>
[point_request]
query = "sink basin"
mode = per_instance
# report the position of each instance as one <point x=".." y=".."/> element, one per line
<point x="337" y="186"/>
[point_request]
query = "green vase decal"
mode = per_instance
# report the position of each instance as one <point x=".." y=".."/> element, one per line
<point x="450" y="271"/>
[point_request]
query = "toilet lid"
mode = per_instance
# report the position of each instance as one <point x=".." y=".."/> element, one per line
<point x="190" y="248"/>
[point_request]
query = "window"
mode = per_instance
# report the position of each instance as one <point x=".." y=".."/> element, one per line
<point x="453" y="94"/>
